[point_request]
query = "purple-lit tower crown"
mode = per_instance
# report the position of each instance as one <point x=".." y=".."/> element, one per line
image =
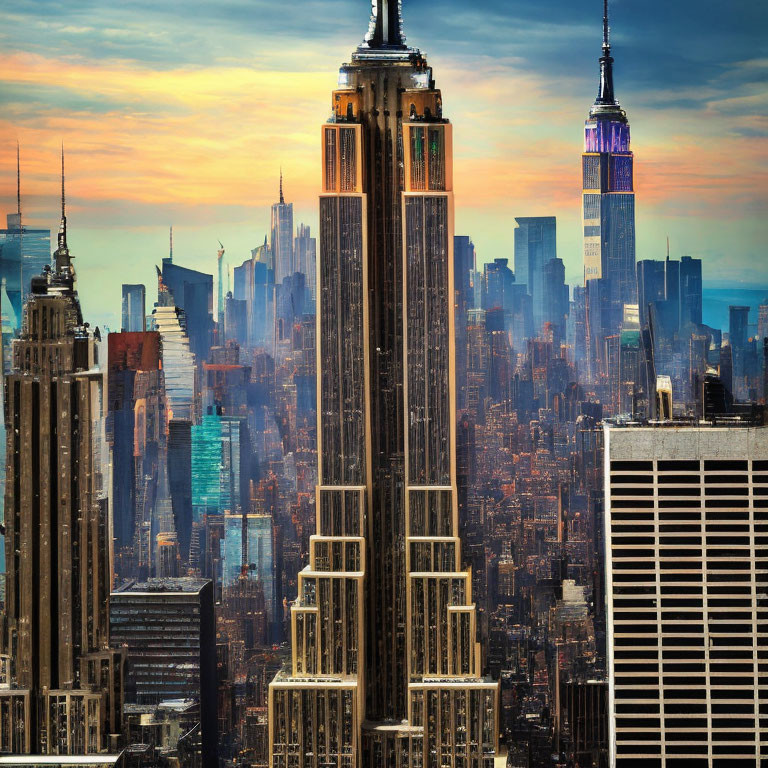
<point x="608" y="214"/>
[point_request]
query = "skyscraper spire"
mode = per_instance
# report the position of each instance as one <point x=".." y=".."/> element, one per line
<point x="386" y="27"/>
<point x="282" y="198"/>
<point x="170" y="250"/>
<point x="605" y="95"/>
<point x="63" y="228"/>
<point x="62" y="257"/>
<point x="18" y="181"/>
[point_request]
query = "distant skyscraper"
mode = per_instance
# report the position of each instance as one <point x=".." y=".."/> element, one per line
<point x="254" y="284"/>
<point x="254" y="555"/>
<point x="608" y="213"/>
<point x="762" y="321"/>
<point x="170" y="321"/>
<point x="219" y="465"/>
<point x="281" y="240"/>
<point x="386" y="670"/>
<point x="134" y="308"/>
<point x="192" y="291"/>
<point x="555" y="300"/>
<point x="691" y="292"/>
<point x="535" y="246"/>
<point x="651" y="286"/>
<point x="65" y="687"/>
<point x="136" y="427"/>
<point x="464" y="271"/>
<point x="167" y="627"/>
<point x="687" y="592"/>
<point x="24" y="253"/>
<point x="305" y="256"/>
<point x="738" y="335"/>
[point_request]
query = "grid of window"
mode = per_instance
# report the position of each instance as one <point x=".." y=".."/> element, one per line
<point x="688" y="618"/>
<point x="591" y="172"/>
<point x="621" y="173"/>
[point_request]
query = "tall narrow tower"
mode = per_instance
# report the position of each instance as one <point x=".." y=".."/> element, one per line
<point x="608" y="213"/>
<point x="281" y="241"/>
<point x="385" y="669"/>
<point x="62" y="694"/>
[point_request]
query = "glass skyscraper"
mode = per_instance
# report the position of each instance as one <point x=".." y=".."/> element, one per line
<point x="535" y="247"/>
<point x="385" y="667"/>
<point x="134" y="308"/>
<point x="256" y="556"/>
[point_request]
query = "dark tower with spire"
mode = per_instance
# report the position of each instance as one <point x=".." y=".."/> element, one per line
<point x="386" y="670"/>
<point x="65" y="681"/>
<point x="608" y="215"/>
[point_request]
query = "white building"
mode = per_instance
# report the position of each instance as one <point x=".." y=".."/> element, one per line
<point x="687" y="596"/>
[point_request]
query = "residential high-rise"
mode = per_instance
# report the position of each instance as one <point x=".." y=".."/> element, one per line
<point x="385" y="668"/>
<point x="281" y="240"/>
<point x="608" y="213"/>
<point x="134" y="308"/>
<point x="687" y="595"/>
<point x="65" y="687"/>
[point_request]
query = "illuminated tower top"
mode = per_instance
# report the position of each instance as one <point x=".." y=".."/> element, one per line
<point x="607" y="126"/>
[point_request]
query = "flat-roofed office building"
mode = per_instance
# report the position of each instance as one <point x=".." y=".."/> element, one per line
<point x="687" y="590"/>
<point x="167" y="629"/>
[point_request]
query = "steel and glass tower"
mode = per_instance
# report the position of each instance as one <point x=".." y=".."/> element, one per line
<point x="608" y="213"/>
<point x="385" y="670"/>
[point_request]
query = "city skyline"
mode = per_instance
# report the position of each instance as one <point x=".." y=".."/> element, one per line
<point x="455" y="469"/>
<point x="119" y="105"/>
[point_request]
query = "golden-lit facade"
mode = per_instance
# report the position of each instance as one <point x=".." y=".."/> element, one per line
<point x="386" y="670"/>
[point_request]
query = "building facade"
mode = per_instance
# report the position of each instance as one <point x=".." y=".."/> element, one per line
<point x="134" y="308"/>
<point x="167" y="629"/>
<point x="385" y="667"/>
<point x="687" y="595"/>
<point x="535" y="247"/>
<point x="63" y="686"/>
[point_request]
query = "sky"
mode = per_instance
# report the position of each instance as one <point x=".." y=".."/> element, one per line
<point x="182" y="112"/>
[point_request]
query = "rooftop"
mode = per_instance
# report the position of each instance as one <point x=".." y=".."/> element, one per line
<point x="185" y="584"/>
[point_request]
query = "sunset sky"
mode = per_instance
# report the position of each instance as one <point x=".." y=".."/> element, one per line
<point x="182" y="112"/>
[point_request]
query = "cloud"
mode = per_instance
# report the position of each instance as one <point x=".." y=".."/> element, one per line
<point x="184" y="111"/>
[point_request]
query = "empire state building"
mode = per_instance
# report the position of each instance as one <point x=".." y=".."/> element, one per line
<point x="385" y="669"/>
<point x="609" y="215"/>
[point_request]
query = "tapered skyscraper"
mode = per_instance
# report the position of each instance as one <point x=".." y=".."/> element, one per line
<point x="609" y="214"/>
<point x="62" y="687"/>
<point x="385" y="670"/>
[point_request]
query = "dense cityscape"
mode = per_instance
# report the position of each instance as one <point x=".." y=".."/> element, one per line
<point x="361" y="500"/>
